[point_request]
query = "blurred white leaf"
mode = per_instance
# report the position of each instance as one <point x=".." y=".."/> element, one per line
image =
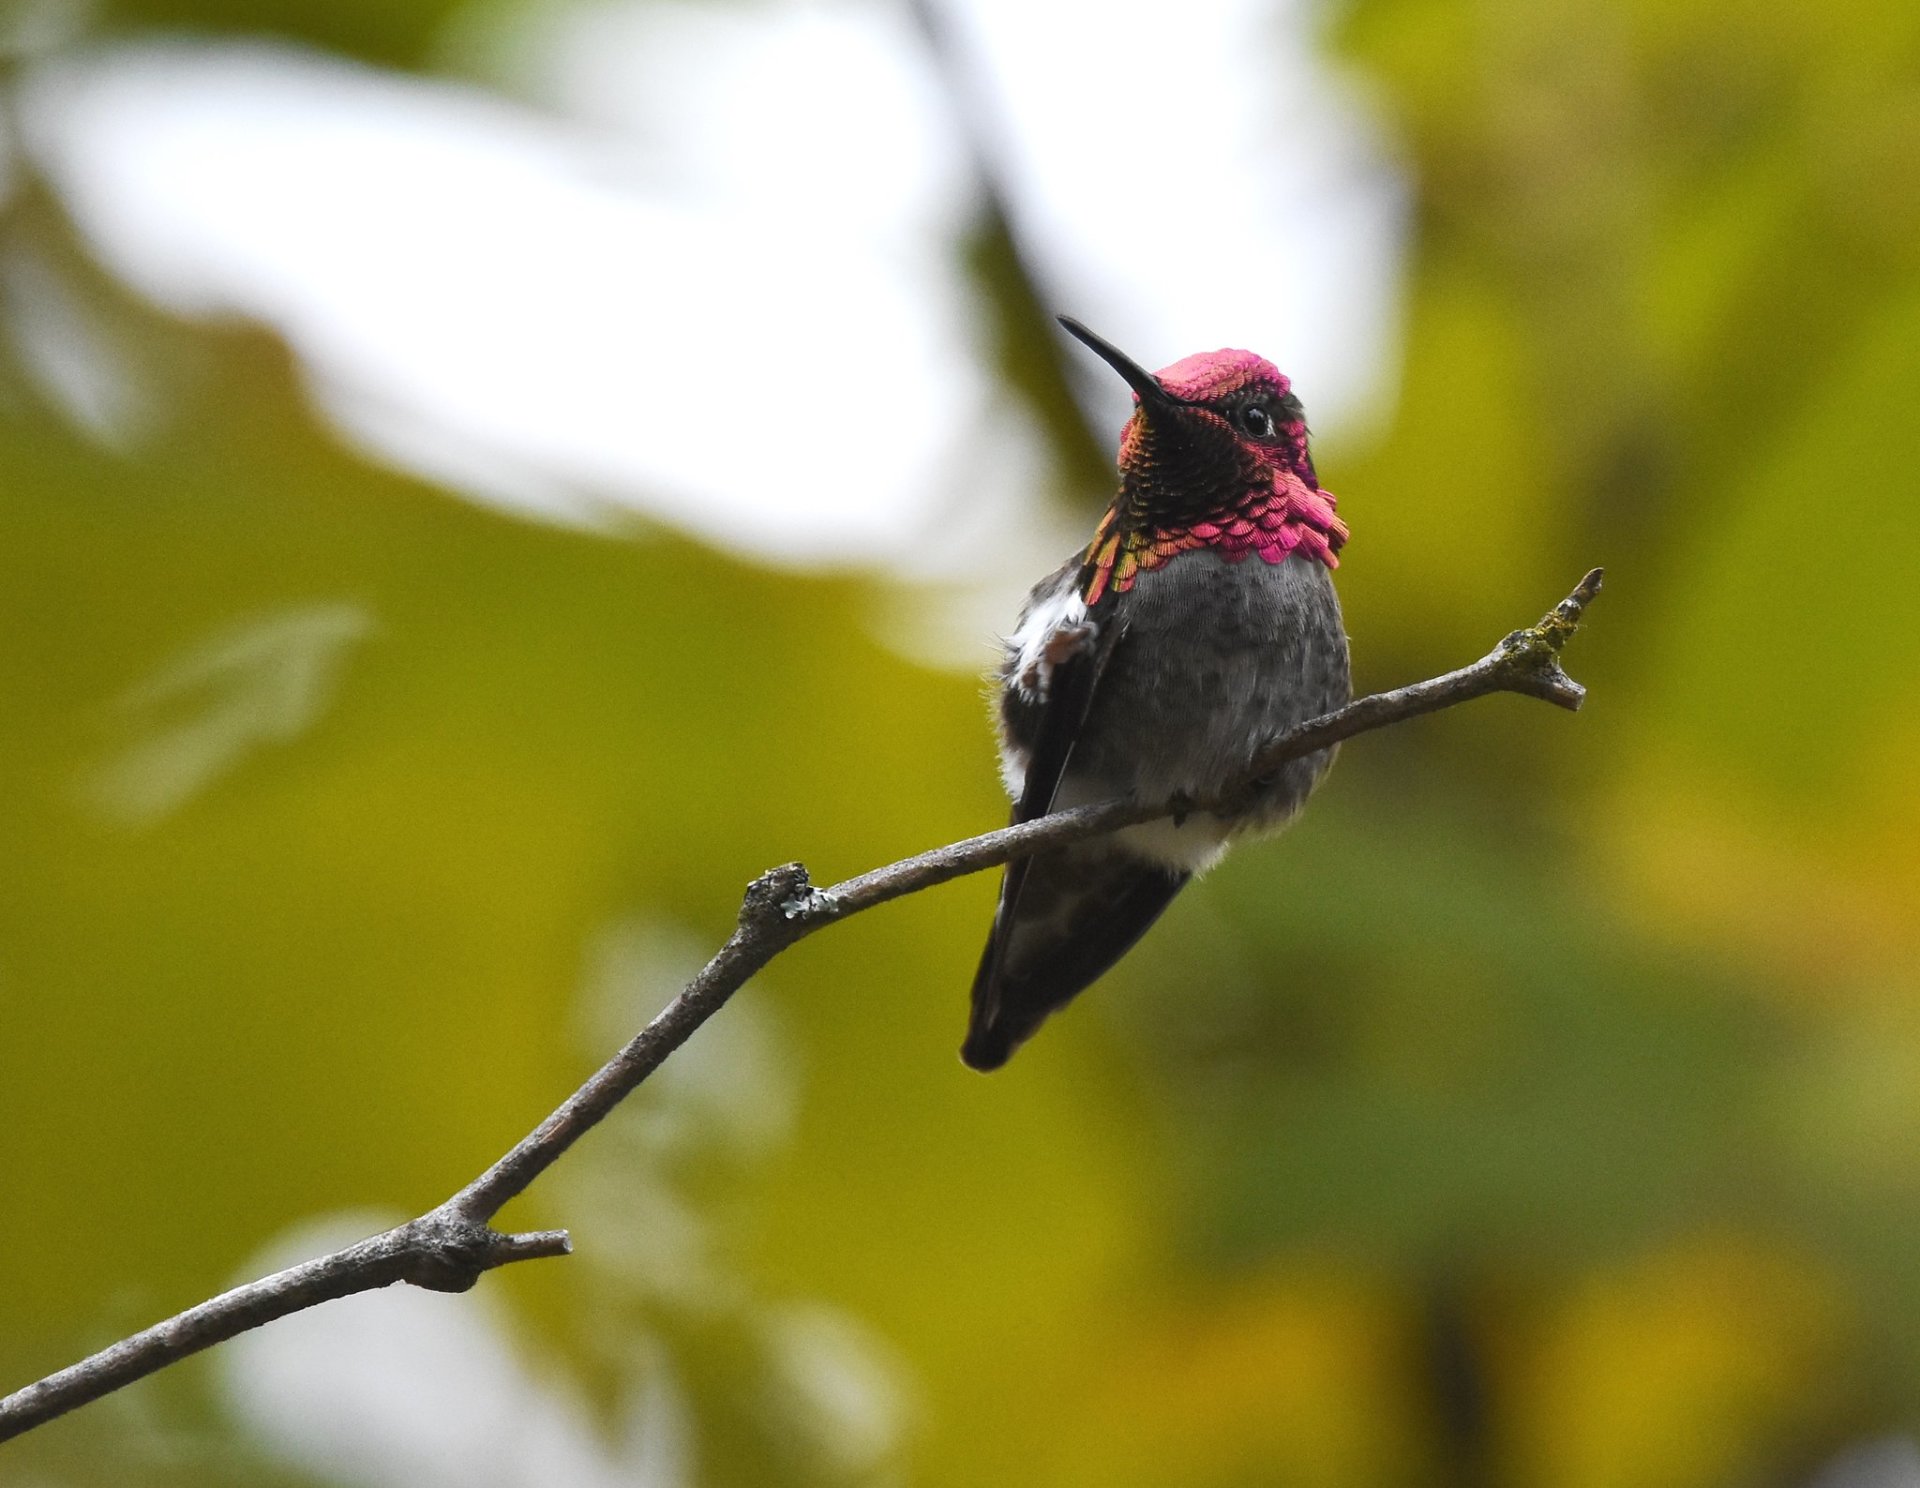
<point x="718" y="283"/>
<point x="69" y="348"/>
<point x="265" y="681"/>
<point x="840" y="1390"/>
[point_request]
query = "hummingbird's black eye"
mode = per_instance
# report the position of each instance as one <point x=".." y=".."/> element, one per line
<point x="1256" y="421"/>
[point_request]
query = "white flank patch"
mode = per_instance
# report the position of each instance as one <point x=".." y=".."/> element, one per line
<point x="1062" y="610"/>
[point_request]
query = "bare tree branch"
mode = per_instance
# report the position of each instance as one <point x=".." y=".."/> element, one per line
<point x="448" y="1248"/>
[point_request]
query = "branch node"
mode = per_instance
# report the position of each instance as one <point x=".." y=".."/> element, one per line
<point x="786" y="892"/>
<point x="1529" y="659"/>
<point x="445" y="1252"/>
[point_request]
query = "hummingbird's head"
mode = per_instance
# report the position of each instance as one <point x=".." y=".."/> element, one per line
<point x="1215" y="455"/>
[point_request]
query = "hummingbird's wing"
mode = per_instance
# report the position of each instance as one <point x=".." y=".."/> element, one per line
<point x="1064" y="917"/>
<point x="1054" y="719"/>
<point x="1046" y="711"/>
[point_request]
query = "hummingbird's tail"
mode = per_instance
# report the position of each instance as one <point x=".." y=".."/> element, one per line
<point x="1060" y="925"/>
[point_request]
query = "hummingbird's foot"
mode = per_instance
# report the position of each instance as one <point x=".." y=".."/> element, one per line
<point x="1061" y="645"/>
<point x="1182" y="805"/>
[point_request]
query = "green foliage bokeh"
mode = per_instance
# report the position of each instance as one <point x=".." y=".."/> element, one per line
<point x="1542" y="1109"/>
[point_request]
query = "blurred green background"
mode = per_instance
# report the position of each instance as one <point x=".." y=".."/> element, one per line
<point x="1542" y="1110"/>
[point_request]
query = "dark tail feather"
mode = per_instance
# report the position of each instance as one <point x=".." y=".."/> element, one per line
<point x="1074" y="916"/>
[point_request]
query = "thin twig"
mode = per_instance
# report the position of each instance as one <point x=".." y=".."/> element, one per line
<point x="450" y="1247"/>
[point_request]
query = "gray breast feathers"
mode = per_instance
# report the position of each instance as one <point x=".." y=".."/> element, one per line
<point x="1214" y="659"/>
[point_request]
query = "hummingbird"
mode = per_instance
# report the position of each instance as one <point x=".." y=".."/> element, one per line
<point x="1199" y="623"/>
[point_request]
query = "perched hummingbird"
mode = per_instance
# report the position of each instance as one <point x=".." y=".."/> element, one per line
<point x="1199" y="623"/>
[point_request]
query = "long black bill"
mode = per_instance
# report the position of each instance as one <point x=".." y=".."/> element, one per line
<point x="1153" y="397"/>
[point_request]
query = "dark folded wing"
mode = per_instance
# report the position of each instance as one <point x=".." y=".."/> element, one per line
<point x="1058" y="720"/>
<point x="1061" y="716"/>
